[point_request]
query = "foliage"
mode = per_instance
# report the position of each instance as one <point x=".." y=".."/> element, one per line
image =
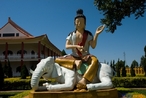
<point x="21" y="95"/>
<point x="20" y="84"/>
<point x="133" y="65"/>
<point x="132" y="71"/>
<point x="120" y="64"/>
<point x="1" y="76"/>
<point x="129" y="82"/>
<point x="116" y="10"/>
<point x="63" y="52"/>
<point x="7" y="69"/>
<point x="113" y="66"/>
<point x="24" y="72"/>
<point x="24" y="84"/>
<point x="118" y="69"/>
<point x="124" y="71"/>
<point x="10" y="73"/>
<point x="143" y="61"/>
<point x="16" y="84"/>
<point x="132" y="93"/>
<point x="8" y="94"/>
<point x="145" y="51"/>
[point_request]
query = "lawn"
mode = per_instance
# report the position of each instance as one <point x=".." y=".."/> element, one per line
<point x="132" y="93"/>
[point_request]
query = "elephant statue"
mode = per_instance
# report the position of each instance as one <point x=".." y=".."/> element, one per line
<point x="67" y="79"/>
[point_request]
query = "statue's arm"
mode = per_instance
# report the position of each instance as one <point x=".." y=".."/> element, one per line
<point x="68" y="84"/>
<point x="94" y="41"/>
<point x="68" y="45"/>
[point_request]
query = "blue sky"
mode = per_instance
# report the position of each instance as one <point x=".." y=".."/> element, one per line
<point x="56" y="19"/>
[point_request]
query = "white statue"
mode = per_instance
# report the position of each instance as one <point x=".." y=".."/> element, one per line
<point x="67" y="79"/>
<point x="96" y="76"/>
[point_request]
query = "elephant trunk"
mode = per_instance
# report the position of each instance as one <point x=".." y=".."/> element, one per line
<point x="36" y="77"/>
<point x="41" y="68"/>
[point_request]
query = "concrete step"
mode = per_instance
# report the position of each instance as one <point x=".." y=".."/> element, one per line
<point x="107" y="93"/>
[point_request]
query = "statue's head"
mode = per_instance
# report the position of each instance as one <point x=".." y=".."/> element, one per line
<point x="80" y="20"/>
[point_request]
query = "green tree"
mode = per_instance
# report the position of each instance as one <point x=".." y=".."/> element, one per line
<point x="133" y="65"/>
<point x="5" y="69"/>
<point x="112" y="64"/>
<point x="143" y="63"/>
<point x="120" y="64"/>
<point x="63" y="52"/>
<point x="117" y="69"/>
<point x="24" y="72"/>
<point x="124" y="71"/>
<point x="10" y="73"/>
<point x="127" y="66"/>
<point x="1" y="76"/>
<point x="116" y="10"/>
<point x="123" y="68"/>
<point x="145" y="51"/>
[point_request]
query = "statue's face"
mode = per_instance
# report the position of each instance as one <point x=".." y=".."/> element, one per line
<point x="80" y="23"/>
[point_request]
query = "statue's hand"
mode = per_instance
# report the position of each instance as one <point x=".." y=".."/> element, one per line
<point x="46" y="85"/>
<point x="80" y="48"/>
<point x="100" y="29"/>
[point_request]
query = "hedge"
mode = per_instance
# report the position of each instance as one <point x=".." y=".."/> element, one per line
<point x="24" y="84"/>
<point x="18" y="84"/>
<point x="129" y="82"/>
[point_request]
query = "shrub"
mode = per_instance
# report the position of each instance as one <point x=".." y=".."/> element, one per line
<point x="19" y="84"/>
<point x="129" y="82"/>
<point x="124" y="71"/>
<point x="1" y="76"/>
<point x="24" y="72"/>
<point x="7" y="70"/>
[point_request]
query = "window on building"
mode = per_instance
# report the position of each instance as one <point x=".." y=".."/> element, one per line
<point x="9" y="35"/>
<point x="9" y="52"/>
<point x="17" y="34"/>
<point x="24" y="52"/>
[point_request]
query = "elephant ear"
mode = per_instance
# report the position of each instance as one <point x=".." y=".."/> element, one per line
<point x="58" y="71"/>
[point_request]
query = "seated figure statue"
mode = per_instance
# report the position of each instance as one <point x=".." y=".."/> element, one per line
<point x="80" y="41"/>
<point x="64" y="69"/>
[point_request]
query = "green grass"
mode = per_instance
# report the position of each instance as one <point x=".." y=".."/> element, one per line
<point x="7" y="94"/>
<point x="140" y="93"/>
<point x="21" y="95"/>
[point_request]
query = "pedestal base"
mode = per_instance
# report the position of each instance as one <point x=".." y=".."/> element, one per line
<point x="108" y="93"/>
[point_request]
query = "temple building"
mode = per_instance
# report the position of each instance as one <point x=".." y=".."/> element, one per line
<point x="21" y="48"/>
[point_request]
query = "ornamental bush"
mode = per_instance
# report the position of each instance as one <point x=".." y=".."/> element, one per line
<point x="1" y="76"/>
<point x="24" y="84"/>
<point x="129" y="82"/>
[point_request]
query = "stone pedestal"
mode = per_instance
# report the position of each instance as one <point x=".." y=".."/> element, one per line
<point x="108" y="93"/>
